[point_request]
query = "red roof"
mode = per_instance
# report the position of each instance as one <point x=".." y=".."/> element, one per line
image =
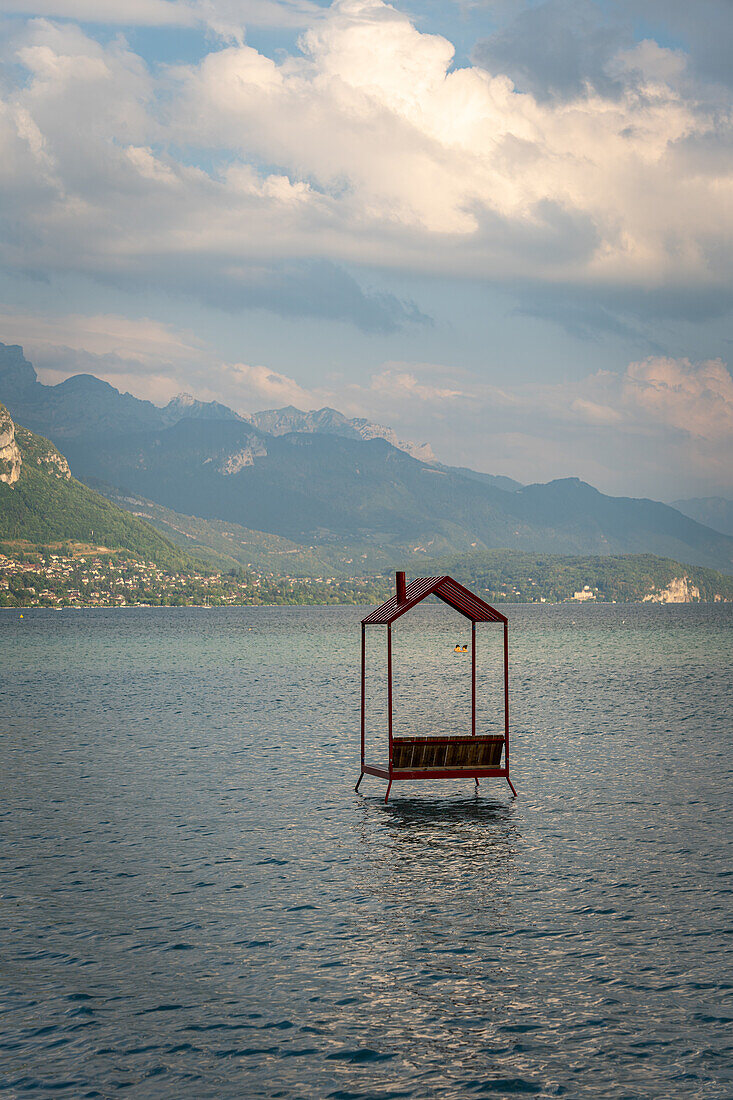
<point x="447" y="590"/>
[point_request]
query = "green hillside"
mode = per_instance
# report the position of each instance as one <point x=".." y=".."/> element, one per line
<point x="509" y="576"/>
<point x="223" y="544"/>
<point x="47" y="505"/>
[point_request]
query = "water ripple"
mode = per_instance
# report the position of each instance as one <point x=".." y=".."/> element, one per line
<point x="195" y="904"/>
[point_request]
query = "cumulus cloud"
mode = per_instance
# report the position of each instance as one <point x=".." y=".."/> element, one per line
<point x="704" y="27"/>
<point x="406" y="386"/>
<point x="256" y="384"/>
<point x="696" y="398"/>
<point x="90" y="189"/>
<point x="493" y="176"/>
<point x="280" y="183"/>
<point x="654" y="396"/>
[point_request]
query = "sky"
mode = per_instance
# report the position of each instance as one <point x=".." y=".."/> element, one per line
<point x="501" y="227"/>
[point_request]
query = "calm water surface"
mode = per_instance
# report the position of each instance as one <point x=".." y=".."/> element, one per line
<point x="195" y="903"/>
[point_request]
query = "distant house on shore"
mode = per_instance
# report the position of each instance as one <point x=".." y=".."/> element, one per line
<point x="585" y="594"/>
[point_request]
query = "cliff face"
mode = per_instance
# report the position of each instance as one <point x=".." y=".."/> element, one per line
<point x="237" y="460"/>
<point x="19" y="447"/>
<point x="10" y="457"/>
<point x="679" y="590"/>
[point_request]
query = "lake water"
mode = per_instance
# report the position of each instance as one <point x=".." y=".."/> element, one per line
<point x="196" y="904"/>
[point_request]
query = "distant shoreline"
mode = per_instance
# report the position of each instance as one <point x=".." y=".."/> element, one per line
<point x="254" y="607"/>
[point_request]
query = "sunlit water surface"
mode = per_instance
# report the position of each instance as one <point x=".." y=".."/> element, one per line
<point x="196" y="904"/>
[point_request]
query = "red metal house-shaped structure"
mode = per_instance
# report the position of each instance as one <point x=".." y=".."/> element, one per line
<point x="437" y="757"/>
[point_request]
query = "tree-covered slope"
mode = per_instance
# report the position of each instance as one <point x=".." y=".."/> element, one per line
<point x="514" y="577"/>
<point x="46" y="504"/>
<point x="227" y="545"/>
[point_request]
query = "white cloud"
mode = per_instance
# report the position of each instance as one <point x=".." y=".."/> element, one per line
<point x="657" y="65"/>
<point x="378" y="153"/>
<point x="255" y="384"/>
<point x="696" y="398"/>
<point x="230" y="18"/>
<point x="596" y="414"/>
<point x="406" y="386"/>
<point x="488" y="177"/>
<point x="664" y="424"/>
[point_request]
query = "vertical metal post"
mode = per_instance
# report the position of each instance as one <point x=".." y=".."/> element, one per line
<point x="506" y="707"/>
<point x="363" y="702"/>
<point x="473" y="688"/>
<point x="363" y="692"/>
<point x="389" y="692"/>
<point x="473" y="679"/>
<point x="506" y="696"/>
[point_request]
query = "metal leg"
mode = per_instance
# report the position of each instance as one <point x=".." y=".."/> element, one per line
<point x="512" y="786"/>
<point x="389" y="785"/>
<point x="475" y="779"/>
<point x="356" y="788"/>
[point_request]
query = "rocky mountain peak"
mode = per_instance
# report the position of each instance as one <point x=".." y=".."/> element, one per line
<point x="18" y="375"/>
<point x="332" y="422"/>
<point x="423" y="452"/>
<point x="185" y="405"/>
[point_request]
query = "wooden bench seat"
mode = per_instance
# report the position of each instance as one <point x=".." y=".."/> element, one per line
<point x="428" y="753"/>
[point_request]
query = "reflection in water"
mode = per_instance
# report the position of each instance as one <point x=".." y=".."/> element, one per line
<point x="441" y="844"/>
<point x="438" y="871"/>
<point x="459" y="852"/>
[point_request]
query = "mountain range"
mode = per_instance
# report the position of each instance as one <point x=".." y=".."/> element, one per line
<point x="83" y="403"/>
<point x="715" y="512"/>
<point x="324" y="480"/>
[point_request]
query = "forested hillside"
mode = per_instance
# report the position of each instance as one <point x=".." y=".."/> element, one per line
<point x="46" y="504"/>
